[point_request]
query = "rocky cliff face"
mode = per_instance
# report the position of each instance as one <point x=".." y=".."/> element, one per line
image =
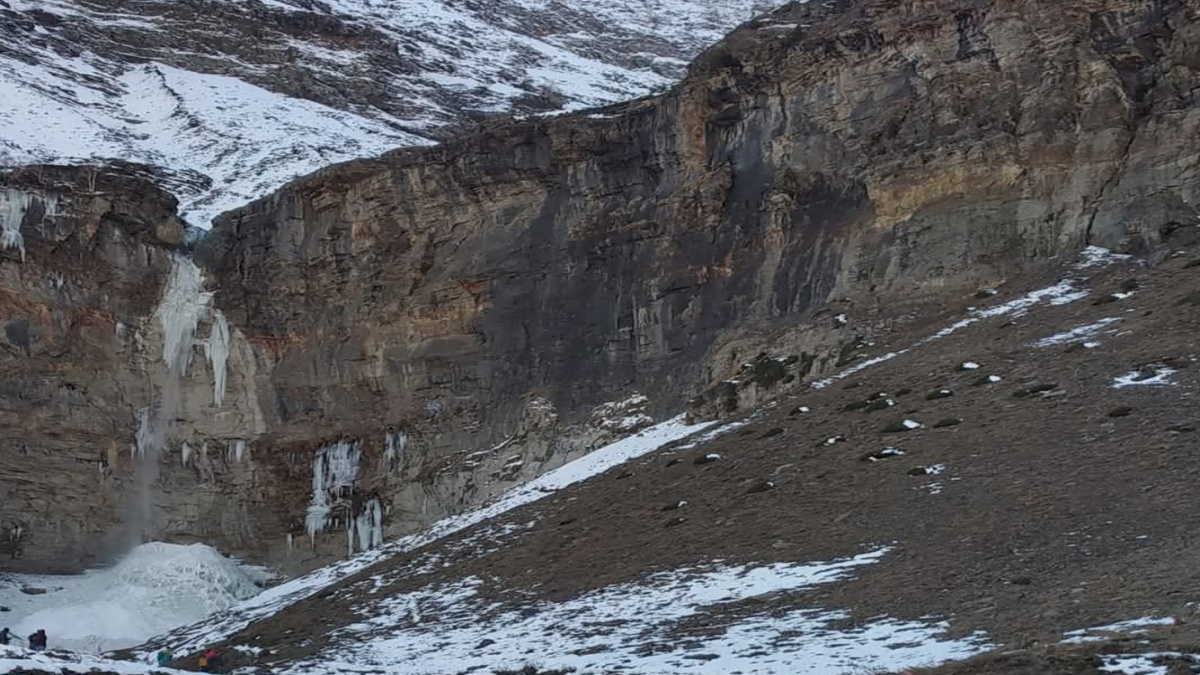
<point x="82" y="256"/>
<point x="437" y="323"/>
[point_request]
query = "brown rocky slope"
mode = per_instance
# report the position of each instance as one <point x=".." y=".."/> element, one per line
<point x="876" y="158"/>
<point x="1048" y="489"/>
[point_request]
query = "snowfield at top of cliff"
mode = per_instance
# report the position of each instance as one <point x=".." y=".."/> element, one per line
<point x="226" y="122"/>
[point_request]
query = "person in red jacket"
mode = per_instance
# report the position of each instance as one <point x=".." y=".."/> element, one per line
<point x="37" y="641"/>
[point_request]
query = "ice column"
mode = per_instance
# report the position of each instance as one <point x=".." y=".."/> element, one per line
<point x="366" y="531"/>
<point x="217" y="351"/>
<point x="335" y="468"/>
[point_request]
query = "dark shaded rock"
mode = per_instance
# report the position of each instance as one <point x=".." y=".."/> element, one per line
<point x="707" y="458"/>
<point x="1120" y="411"/>
<point x="938" y="394"/>
<point x="1182" y="428"/>
<point x="947" y="422"/>
<point x="771" y="432"/>
<point x="1109" y="298"/>
<point x="879" y="404"/>
<point x="678" y="520"/>
<point x="855" y="405"/>
<point x="627" y="474"/>
<point x="760" y="486"/>
<point x="1192" y="263"/>
<point x="567" y="521"/>
<point x="1020" y="581"/>
<point x="985" y="293"/>
<point x="486" y="642"/>
<point x="1038" y="388"/>
<point x="833" y="440"/>
<point x="674" y="461"/>
<point x="673" y="506"/>
<point x="903" y="391"/>
<point x="1130" y="285"/>
<point x="766" y="371"/>
<point x="1176" y="362"/>
<point x="17" y="333"/>
<point x="800" y="410"/>
<point x="32" y="590"/>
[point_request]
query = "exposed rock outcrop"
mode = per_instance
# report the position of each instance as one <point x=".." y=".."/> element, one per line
<point x="870" y="157"/>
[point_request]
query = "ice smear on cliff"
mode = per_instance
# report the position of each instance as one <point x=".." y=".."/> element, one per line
<point x="153" y="589"/>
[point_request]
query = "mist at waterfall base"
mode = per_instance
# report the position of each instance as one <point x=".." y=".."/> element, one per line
<point x="153" y="589"/>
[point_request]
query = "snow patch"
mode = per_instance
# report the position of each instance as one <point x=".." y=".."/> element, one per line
<point x="1108" y="631"/>
<point x="1158" y="376"/>
<point x="1095" y="256"/>
<point x="1075" y="333"/>
<point x="456" y="628"/>
<point x="858" y="367"/>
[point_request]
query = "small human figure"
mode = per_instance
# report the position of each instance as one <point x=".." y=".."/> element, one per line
<point x="210" y="661"/>
<point x="164" y="656"/>
<point x="37" y="641"/>
<point x="5" y="636"/>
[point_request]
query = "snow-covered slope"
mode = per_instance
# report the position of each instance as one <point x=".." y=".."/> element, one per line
<point x="235" y="97"/>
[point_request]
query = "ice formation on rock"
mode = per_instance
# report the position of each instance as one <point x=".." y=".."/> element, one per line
<point x="14" y="204"/>
<point x="335" y="469"/>
<point x="183" y="303"/>
<point x="394" y="445"/>
<point x="366" y="530"/>
<point x="217" y="351"/>
<point x="143" y="440"/>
